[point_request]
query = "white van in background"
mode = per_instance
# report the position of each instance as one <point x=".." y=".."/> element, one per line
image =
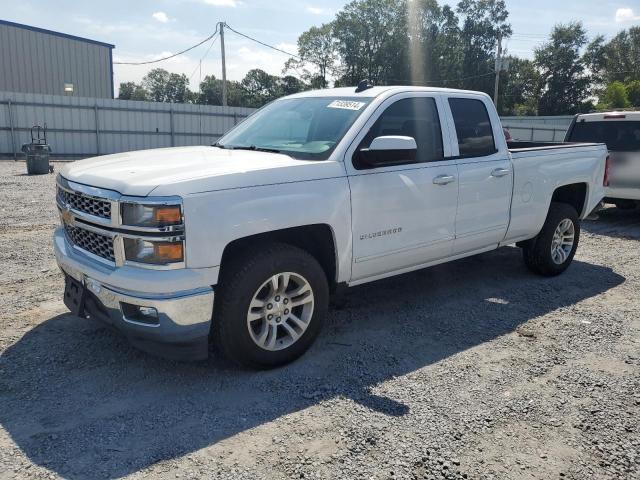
<point x="621" y="132"/>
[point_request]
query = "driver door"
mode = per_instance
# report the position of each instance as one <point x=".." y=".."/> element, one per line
<point x="403" y="215"/>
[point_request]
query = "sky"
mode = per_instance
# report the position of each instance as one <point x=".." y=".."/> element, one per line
<point x="144" y="30"/>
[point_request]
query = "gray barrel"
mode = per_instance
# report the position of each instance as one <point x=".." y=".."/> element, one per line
<point x="37" y="158"/>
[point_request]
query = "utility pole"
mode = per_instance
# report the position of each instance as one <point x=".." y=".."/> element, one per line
<point x="498" y="68"/>
<point x="224" y="66"/>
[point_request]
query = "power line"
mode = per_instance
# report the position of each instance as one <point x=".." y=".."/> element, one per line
<point x="170" y="56"/>
<point x="203" y="57"/>
<point x="262" y="43"/>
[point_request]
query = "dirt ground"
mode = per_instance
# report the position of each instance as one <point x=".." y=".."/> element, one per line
<point x="474" y="369"/>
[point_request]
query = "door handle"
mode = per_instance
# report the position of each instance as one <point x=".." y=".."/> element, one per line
<point x="500" y="172"/>
<point x="444" y="179"/>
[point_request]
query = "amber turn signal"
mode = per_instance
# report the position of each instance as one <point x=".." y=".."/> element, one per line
<point x="169" y="251"/>
<point x="168" y="214"/>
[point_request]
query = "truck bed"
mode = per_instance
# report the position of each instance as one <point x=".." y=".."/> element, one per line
<point x="515" y="146"/>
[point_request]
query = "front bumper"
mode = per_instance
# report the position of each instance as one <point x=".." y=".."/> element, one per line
<point x="181" y="330"/>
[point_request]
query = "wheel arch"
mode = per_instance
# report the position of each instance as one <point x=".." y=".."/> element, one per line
<point x="316" y="239"/>
<point x="574" y="194"/>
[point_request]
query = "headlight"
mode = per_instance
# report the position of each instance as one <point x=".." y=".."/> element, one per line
<point x="140" y="215"/>
<point x="153" y="252"/>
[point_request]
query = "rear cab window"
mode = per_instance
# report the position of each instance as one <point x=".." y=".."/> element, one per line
<point x="473" y="127"/>
<point x="618" y="135"/>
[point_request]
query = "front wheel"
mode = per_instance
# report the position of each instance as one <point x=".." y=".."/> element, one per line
<point x="552" y="250"/>
<point x="271" y="306"/>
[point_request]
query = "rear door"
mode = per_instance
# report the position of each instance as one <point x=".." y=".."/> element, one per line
<point x="485" y="175"/>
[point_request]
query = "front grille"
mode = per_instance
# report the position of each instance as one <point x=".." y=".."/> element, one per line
<point x="100" y="245"/>
<point x="83" y="203"/>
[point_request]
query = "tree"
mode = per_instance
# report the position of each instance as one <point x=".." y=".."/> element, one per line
<point x="211" y="92"/>
<point x="166" y="87"/>
<point x="483" y="21"/>
<point x="614" y="96"/>
<point x="617" y="60"/>
<point x="436" y="53"/>
<point x="633" y="93"/>
<point x="371" y="41"/>
<point x="132" y="91"/>
<point x="519" y="88"/>
<point x="316" y="47"/>
<point x="564" y="82"/>
<point x="260" y="88"/>
<point x="290" y="85"/>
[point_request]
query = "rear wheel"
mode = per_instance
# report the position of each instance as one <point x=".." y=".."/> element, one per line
<point x="271" y="306"/>
<point x="552" y="250"/>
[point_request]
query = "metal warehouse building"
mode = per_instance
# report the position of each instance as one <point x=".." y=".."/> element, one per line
<point x="34" y="60"/>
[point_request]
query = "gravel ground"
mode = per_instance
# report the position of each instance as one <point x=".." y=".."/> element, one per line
<point x="475" y="369"/>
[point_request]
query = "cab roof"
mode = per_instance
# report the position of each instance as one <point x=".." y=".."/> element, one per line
<point x="372" y="92"/>
<point x="620" y="115"/>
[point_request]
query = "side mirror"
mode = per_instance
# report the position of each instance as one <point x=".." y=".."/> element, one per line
<point x="386" y="151"/>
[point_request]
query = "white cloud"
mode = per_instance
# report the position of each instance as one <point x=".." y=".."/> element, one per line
<point x="160" y="17"/>
<point x="222" y="3"/>
<point x="624" y="15"/>
<point x="316" y="10"/>
<point x="288" y="47"/>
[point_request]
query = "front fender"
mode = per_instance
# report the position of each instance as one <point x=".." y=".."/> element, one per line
<point x="215" y="219"/>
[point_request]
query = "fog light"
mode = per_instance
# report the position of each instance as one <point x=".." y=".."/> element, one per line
<point x="138" y="313"/>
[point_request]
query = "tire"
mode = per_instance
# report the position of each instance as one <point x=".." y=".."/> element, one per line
<point x="246" y="297"/>
<point x="537" y="252"/>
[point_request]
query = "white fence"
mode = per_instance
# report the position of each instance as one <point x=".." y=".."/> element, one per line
<point x="85" y="127"/>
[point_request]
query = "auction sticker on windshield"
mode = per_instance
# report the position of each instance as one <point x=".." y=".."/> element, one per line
<point x="346" y="104"/>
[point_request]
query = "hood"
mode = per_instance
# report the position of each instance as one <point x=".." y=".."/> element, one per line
<point x="185" y="170"/>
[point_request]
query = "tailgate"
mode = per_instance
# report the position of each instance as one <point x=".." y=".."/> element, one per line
<point x="625" y="170"/>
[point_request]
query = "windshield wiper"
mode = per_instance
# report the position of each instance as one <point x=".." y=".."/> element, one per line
<point x="219" y="145"/>
<point x="257" y="149"/>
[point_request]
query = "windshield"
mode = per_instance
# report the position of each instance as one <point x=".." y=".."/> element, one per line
<point x="304" y="128"/>
<point x="620" y="136"/>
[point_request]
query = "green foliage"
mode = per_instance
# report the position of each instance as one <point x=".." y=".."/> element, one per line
<point x="166" y="87"/>
<point x="633" y="93"/>
<point x="211" y="92"/>
<point x="482" y="22"/>
<point x="260" y="88"/>
<point x="317" y="48"/>
<point x="519" y="88"/>
<point x="564" y="83"/>
<point x="132" y="91"/>
<point x="371" y="41"/>
<point x="617" y="60"/>
<point x="615" y="96"/>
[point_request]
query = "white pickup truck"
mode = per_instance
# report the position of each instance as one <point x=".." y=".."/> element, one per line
<point x="240" y="243"/>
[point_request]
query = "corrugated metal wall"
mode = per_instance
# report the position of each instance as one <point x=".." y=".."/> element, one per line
<point x="538" y="129"/>
<point x="34" y="61"/>
<point x="85" y="127"/>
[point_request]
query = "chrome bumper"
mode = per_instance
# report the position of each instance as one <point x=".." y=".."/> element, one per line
<point x="183" y="317"/>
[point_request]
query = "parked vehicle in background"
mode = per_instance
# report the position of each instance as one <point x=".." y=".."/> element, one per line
<point x="243" y="241"/>
<point x="620" y="131"/>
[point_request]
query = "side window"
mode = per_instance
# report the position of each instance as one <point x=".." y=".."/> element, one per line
<point x="411" y="117"/>
<point x="475" y="136"/>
